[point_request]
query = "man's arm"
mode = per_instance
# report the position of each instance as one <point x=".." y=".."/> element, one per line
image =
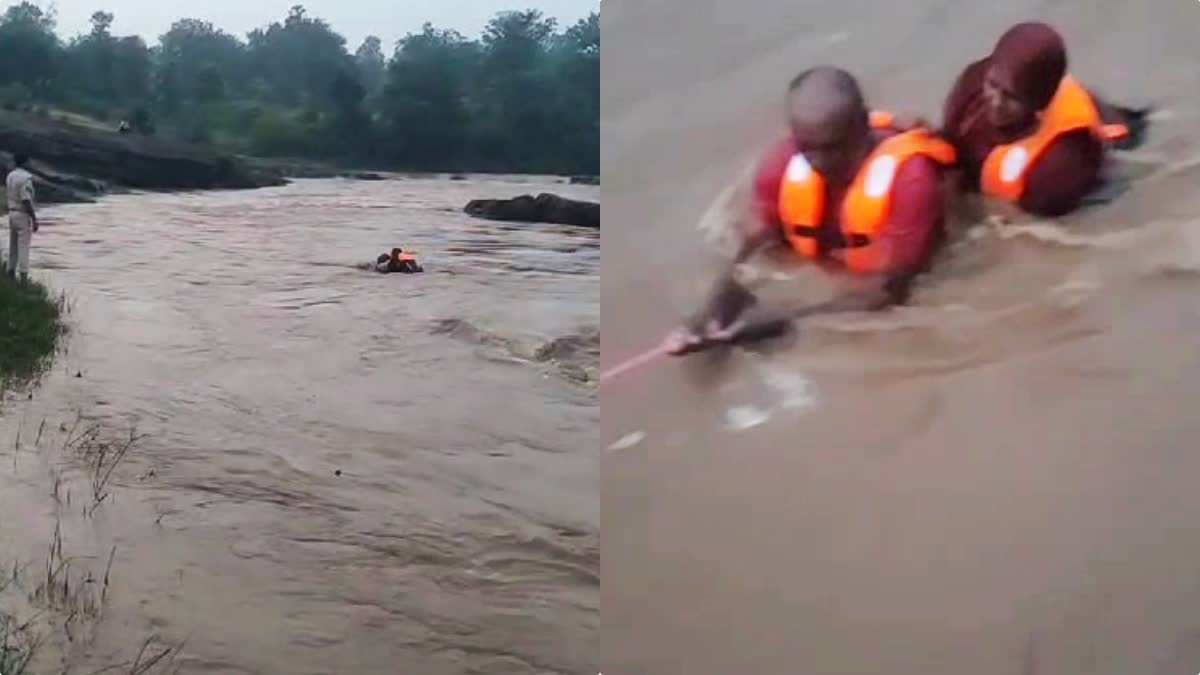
<point x="27" y="203"/>
<point x="760" y="230"/>
<point x="728" y="298"/>
<point x="1066" y="172"/>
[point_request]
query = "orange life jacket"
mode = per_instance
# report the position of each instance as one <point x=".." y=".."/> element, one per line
<point x="867" y="202"/>
<point x="404" y="257"/>
<point x="1007" y="167"/>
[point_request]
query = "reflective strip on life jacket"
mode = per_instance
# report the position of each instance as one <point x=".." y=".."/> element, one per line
<point x="1007" y="167"/>
<point x="881" y="119"/>
<point x="865" y="207"/>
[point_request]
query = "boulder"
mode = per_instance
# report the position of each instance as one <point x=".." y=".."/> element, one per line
<point x="545" y="208"/>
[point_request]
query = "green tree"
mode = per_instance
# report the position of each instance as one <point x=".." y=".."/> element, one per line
<point x="210" y="85"/>
<point x="105" y="68"/>
<point x="132" y="68"/>
<point x="576" y="104"/>
<point x="168" y="88"/>
<point x="299" y="58"/>
<point x="424" y="103"/>
<point x="29" y="49"/>
<point x="372" y="65"/>
<point x="523" y="97"/>
<point x="276" y="134"/>
<point x="192" y="48"/>
<point x="516" y="123"/>
<point x="516" y="42"/>
<point x="102" y="24"/>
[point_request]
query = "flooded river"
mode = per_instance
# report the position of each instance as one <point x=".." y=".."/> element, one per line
<point x="997" y="479"/>
<point x="335" y="471"/>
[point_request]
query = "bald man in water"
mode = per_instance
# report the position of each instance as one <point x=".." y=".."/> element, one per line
<point x="884" y="191"/>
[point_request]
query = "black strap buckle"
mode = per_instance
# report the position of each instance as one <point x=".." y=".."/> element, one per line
<point x="851" y="240"/>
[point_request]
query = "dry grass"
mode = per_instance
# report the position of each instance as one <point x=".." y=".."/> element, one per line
<point x="65" y="594"/>
<point x="19" y="643"/>
<point x="101" y="457"/>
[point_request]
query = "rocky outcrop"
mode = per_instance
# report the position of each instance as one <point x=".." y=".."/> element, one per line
<point x="55" y="187"/>
<point x="79" y="155"/>
<point x="545" y="208"/>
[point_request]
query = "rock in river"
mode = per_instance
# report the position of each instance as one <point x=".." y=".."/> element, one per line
<point x="545" y="208"/>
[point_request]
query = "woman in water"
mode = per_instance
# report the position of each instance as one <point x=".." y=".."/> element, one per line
<point x="397" y="262"/>
<point x="1026" y="132"/>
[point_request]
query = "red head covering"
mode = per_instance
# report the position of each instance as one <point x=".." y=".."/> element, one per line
<point x="1033" y="56"/>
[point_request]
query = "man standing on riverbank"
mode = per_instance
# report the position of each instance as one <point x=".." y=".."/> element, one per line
<point x="22" y="218"/>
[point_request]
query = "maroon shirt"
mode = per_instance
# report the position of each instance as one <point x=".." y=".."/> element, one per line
<point x="914" y="223"/>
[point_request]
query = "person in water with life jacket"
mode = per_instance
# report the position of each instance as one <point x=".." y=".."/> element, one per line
<point x="397" y="262"/>
<point x="1026" y="132"/>
<point x="845" y="188"/>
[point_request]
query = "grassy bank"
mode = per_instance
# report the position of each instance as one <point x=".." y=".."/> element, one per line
<point x="30" y="325"/>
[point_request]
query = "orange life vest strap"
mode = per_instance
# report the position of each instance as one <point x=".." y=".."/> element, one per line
<point x="1007" y="167"/>
<point x="867" y="202"/>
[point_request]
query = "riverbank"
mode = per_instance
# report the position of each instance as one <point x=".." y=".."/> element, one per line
<point x="74" y="164"/>
<point x="30" y="325"/>
<point x="79" y="163"/>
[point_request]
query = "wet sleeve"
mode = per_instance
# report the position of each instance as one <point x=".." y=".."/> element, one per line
<point x="1063" y="176"/>
<point x="766" y="184"/>
<point x="27" y="190"/>
<point x="916" y="214"/>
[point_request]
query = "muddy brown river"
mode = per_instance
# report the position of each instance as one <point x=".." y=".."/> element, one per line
<point x="335" y="471"/>
<point x="999" y="479"/>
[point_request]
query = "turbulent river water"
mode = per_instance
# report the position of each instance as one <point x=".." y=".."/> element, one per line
<point x="335" y="471"/>
<point x="997" y="479"/>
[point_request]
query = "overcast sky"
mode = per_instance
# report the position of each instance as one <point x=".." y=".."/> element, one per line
<point x="355" y="19"/>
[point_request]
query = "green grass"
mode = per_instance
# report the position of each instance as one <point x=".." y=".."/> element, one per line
<point x="30" y="325"/>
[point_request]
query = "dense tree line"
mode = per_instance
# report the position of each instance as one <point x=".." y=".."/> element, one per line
<point x="523" y="97"/>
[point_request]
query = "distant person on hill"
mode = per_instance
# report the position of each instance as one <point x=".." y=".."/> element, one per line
<point x="397" y="262"/>
<point x="1028" y="133"/>
<point x="22" y="217"/>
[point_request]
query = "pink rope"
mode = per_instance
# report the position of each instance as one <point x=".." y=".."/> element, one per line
<point x="633" y="363"/>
